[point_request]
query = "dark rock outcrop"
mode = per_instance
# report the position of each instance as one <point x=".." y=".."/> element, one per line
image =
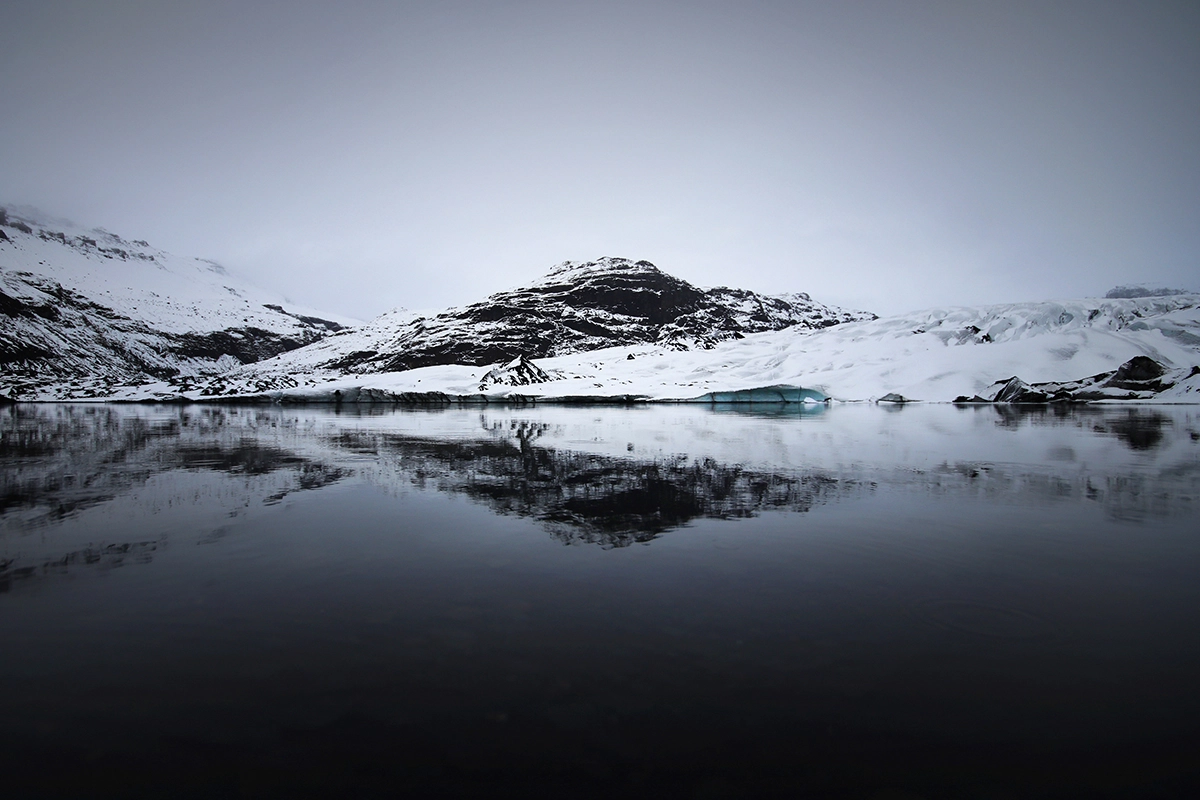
<point x="518" y="372"/>
<point x="1138" y="373"/>
<point x="579" y="307"/>
<point x="1016" y="390"/>
<point x="1139" y="378"/>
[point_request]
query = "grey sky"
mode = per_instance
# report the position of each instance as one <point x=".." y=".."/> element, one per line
<point x="362" y="155"/>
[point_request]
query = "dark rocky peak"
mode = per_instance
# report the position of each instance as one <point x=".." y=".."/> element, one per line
<point x="635" y="289"/>
<point x="1138" y="369"/>
<point x="576" y="307"/>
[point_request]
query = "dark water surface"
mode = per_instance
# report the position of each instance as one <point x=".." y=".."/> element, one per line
<point x="855" y="601"/>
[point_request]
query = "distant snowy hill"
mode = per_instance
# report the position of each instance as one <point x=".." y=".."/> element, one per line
<point x="576" y="307"/>
<point x="87" y="314"/>
<point x="84" y="310"/>
<point x="934" y="355"/>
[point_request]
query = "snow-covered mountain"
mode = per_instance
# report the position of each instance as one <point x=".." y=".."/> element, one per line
<point x="84" y="313"/>
<point x="84" y="310"/>
<point x="934" y="355"/>
<point x="575" y="308"/>
<point x="88" y="314"/>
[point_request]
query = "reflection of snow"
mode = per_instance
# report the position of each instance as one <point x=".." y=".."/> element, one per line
<point x="611" y="476"/>
<point x="60" y="461"/>
<point x="613" y="501"/>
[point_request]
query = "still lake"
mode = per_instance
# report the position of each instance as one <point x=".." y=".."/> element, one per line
<point x="917" y="601"/>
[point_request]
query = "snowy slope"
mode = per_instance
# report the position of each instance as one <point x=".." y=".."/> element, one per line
<point x="134" y="279"/>
<point x="576" y="307"/>
<point x="88" y="308"/>
<point x="934" y="355"/>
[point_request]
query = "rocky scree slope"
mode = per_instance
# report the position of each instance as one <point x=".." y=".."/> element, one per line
<point x="84" y="311"/>
<point x="577" y="307"/>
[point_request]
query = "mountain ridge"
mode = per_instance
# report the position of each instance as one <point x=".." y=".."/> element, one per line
<point x="575" y="307"/>
<point x="84" y="310"/>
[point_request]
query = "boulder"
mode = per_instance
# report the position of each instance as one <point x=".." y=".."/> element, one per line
<point x="518" y="372"/>
<point x="1016" y="390"/>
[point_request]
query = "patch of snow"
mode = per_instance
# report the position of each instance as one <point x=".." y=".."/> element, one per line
<point x="906" y="355"/>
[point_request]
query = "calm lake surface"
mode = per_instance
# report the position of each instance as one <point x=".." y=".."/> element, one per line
<point x="686" y="601"/>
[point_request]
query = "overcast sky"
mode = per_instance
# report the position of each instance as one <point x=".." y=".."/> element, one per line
<point x="363" y="155"/>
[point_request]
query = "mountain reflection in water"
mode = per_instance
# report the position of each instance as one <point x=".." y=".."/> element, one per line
<point x="589" y="497"/>
<point x="1139" y="428"/>
<point x="306" y="601"/>
<point x="567" y="470"/>
<point x="60" y="460"/>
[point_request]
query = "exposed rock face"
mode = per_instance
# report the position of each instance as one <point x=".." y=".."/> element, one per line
<point x="1138" y="373"/>
<point x="518" y="372"/>
<point x="1016" y="390"/>
<point x="575" y="308"/>
<point x="1139" y="378"/>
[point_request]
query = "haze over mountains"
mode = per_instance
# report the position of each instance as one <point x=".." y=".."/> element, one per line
<point x="88" y="314"/>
